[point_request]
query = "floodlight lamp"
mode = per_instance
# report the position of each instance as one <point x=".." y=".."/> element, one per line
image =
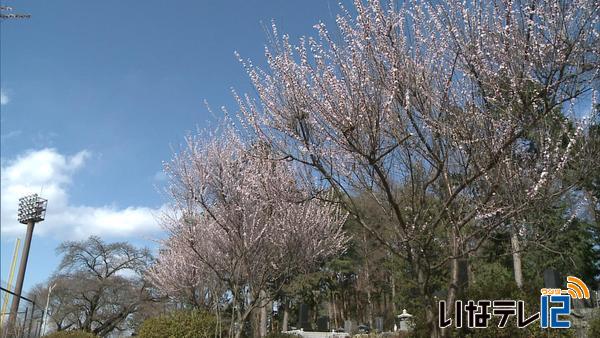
<point x="32" y="208"/>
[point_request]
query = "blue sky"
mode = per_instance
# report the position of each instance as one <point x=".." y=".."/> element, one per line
<point x="95" y="95"/>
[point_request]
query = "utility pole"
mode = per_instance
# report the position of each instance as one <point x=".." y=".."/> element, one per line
<point x="32" y="209"/>
<point x="45" y="315"/>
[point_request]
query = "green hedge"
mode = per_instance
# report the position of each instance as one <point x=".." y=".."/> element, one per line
<point x="70" y="334"/>
<point x="180" y="324"/>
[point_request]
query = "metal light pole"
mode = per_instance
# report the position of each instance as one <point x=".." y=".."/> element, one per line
<point x="45" y="316"/>
<point x="32" y="209"/>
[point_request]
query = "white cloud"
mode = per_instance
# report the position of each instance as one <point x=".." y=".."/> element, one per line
<point x="4" y="99"/>
<point x="51" y="173"/>
<point x="11" y="134"/>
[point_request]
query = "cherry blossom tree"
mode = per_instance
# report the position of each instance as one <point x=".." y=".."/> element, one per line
<point x="178" y="275"/>
<point x="244" y="219"/>
<point x="425" y="107"/>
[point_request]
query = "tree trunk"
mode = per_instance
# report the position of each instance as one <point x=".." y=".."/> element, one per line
<point x="286" y="317"/>
<point x="369" y="308"/>
<point x="330" y="311"/>
<point x="89" y="318"/>
<point x="270" y="318"/>
<point x="430" y="315"/>
<point x="454" y="279"/>
<point x="111" y="324"/>
<point x="263" y="314"/>
<point x="255" y="322"/>
<point x="242" y="320"/>
<point x="516" y="254"/>
<point x="368" y="281"/>
<point x="344" y="311"/>
<point x="234" y="312"/>
<point x="335" y="322"/>
<point x="218" y="328"/>
<point x="591" y="205"/>
<point x="238" y="333"/>
<point x="383" y="303"/>
<point x="452" y="291"/>
<point x="393" y="295"/>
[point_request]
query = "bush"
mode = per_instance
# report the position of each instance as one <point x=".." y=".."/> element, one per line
<point x="397" y="334"/>
<point x="594" y="328"/>
<point x="180" y="324"/>
<point x="280" y="335"/>
<point x="71" y="334"/>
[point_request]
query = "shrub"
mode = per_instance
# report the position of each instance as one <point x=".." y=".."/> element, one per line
<point x="71" y="334"/>
<point x="397" y="334"/>
<point x="281" y="335"/>
<point x="180" y="324"/>
<point x="594" y="328"/>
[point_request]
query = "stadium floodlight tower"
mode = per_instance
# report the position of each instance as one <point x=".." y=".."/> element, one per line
<point x="32" y="209"/>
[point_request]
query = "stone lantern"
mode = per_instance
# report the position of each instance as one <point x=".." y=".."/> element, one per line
<point x="404" y="321"/>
